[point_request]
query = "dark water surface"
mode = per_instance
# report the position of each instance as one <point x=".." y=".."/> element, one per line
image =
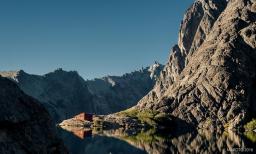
<point x="121" y="142"/>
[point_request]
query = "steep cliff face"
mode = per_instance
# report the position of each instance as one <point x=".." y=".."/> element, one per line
<point x="209" y="80"/>
<point x="25" y="126"/>
<point x="66" y="94"/>
<point x="197" y="23"/>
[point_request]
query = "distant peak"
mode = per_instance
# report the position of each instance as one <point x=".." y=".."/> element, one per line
<point x="14" y="75"/>
<point x="58" y="73"/>
<point x="156" y="63"/>
<point x="155" y="69"/>
<point x="21" y="72"/>
<point x="60" y="70"/>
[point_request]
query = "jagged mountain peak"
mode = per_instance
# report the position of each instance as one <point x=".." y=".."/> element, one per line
<point x="62" y="73"/>
<point x="155" y="70"/>
<point x="197" y="23"/>
<point x="60" y="70"/>
<point x="13" y="75"/>
<point x="195" y="26"/>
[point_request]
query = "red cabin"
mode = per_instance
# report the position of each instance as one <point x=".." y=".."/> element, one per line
<point x="84" y="117"/>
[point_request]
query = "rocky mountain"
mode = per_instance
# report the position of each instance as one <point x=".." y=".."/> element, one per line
<point x="62" y="93"/>
<point x="115" y="93"/>
<point x="25" y="125"/>
<point x="209" y="80"/>
<point x="66" y="94"/>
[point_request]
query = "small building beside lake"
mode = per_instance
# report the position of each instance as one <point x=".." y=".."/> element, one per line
<point x="84" y="117"/>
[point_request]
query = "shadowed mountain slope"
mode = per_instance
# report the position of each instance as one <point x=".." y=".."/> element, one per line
<point x="25" y="126"/>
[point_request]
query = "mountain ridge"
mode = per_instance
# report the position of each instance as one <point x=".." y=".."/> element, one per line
<point x="66" y="93"/>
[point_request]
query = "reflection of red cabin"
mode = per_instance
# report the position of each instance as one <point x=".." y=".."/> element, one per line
<point x="84" y="117"/>
<point x="83" y="134"/>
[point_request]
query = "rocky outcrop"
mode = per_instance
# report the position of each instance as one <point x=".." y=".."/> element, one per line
<point x="75" y="123"/>
<point x="197" y="23"/>
<point x="209" y="80"/>
<point x="65" y="94"/>
<point x="25" y="126"/>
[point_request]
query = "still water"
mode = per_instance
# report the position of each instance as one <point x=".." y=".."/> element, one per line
<point x="143" y="142"/>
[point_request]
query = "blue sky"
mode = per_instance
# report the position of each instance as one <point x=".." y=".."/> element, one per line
<point x="94" y="37"/>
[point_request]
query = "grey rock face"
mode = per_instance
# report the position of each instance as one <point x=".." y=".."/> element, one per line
<point x="249" y="35"/>
<point x="197" y="23"/>
<point x="25" y="126"/>
<point x="209" y="80"/>
<point x="66" y="94"/>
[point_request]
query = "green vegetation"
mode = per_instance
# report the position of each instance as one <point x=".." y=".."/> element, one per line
<point x="249" y="130"/>
<point x="250" y="126"/>
<point x="149" y="136"/>
<point x="146" y="116"/>
<point x="251" y="136"/>
<point x="130" y="113"/>
<point x="149" y="117"/>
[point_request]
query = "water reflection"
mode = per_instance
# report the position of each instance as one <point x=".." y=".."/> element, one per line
<point x="79" y="132"/>
<point x="96" y="144"/>
<point x="153" y="142"/>
<point x="251" y="135"/>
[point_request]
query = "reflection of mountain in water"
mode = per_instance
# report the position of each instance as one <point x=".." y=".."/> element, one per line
<point x="97" y="144"/>
<point x="192" y="142"/>
<point x="160" y="143"/>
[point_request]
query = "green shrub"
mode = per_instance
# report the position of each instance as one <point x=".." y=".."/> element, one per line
<point x="129" y="113"/>
<point x="250" y="126"/>
<point x="251" y="136"/>
<point x="149" y="136"/>
<point x="150" y="117"/>
<point x="146" y="116"/>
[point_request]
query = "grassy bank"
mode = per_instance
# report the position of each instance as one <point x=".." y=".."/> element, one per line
<point x="150" y="117"/>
